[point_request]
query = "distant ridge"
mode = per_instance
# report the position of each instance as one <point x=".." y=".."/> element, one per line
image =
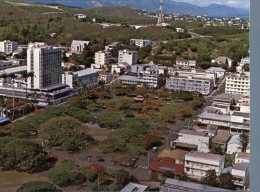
<point x="213" y="10"/>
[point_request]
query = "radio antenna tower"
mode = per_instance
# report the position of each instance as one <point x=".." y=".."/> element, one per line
<point x="160" y="16"/>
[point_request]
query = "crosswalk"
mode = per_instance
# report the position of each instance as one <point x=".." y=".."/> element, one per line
<point x="142" y="167"/>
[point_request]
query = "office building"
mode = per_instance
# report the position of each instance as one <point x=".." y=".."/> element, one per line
<point x="129" y="57"/>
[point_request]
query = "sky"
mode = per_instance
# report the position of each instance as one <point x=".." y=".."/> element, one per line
<point x="233" y="3"/>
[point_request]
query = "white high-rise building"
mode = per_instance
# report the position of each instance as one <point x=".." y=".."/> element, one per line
<point x="129" y="57"/>
<point x="45" y="62"/>
<point x="102" y="57"/>
<point x="8" y="47"/>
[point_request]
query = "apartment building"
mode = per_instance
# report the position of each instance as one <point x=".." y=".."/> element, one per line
<point x="183" y="82"/>
<point x="141" y="42"/>
<point x="85" y="78"/>
<point x="78" y="46"/>
<point x="8" y="47"/>
<point x="185" y="63"/>
<point x="129" y="57"/>
<point x="102" y="57"/>
<point x="238" y="83"/>
<point x="198" y="163"/>
<point x="199" y="139"/>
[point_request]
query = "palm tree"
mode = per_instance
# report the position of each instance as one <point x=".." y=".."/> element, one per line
<point x="244" y="140"/>
<point x="27" y="75"/>
<point x="13" y="77"/>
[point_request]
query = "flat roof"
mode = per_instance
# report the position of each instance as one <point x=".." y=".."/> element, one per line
<point x="192" y="132"/>
<point x="189" y="186"/>
<point x="178" y="154"/>
<point x="224" y="97"/>
<point x="240" y="114"/>
<point x="128" y="78"/>
<point x="202" y="155"/>
<point x="243" y="155"/>
<point x="235" y="139"/>
<point x="213" y="116"/>
<point x="14" y="70"/>
<point x="134" y="187"/>
<point x="241" y="166"/>
<point x="85" y="72"/>
<point x="222" y="137"/>
<point x="216" y="69"/>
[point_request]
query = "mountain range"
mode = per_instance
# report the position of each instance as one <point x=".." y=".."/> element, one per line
<point x="170" y="6"/>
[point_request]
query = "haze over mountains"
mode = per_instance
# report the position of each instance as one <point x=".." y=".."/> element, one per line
<point x="170" y="6"/>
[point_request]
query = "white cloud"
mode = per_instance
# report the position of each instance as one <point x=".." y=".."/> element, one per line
<point x="233" y="3"/>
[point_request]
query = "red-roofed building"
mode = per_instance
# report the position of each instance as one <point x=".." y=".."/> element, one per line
<point x="167" y="164"/>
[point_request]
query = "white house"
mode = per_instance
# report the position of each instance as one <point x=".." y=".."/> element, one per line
<point x="200" y="139"/>
<point x="180" y="30"/>
<point x="80" y="16"/>
<point x="185" y="63"/>
<point x="222" y="60"/>
<point x="234" y="145"/>
<point x="242" y="157"/>
<point x="105" y="77"/>
<point x="240" y="172"/>
<point x="198" y="163"/>
<point x="78" y="46"/>
<point x="141" y="42"/>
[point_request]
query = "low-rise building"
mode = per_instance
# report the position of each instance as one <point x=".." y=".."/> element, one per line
<point x="185" y="63"/>
<point x="129" y="57"/>
<point x="242" y="157"/>
<point x="220" y="72"/>
<point x="78" y="46"/>
<point x="238" y="83"/>
<point x="240" y="172"/>
<point x="221" y="139"/>
<point x="234" y="145"/>
<point x="198" y="163"/>
<point x="180" y="30"/>
<point x="173" y="185"/>
<point x="80" y="16"/>
<point x="200" y="139"/>
<point x="85" y="78"/>
<point x="134" y="187"/>
<point x="141" y="42"/>
<point x="111" y="46"/>
<point x="190" y="83"/>
<point x="8" y="47"/>
<point x="222" y="60"/>
<point x="224" y="102"/>
<point x="105" y="77"/>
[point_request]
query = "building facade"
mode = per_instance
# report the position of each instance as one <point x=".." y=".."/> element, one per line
<point x="197" y="164"/>
<point x="45" y="62"/>
<point x="102" y="57"/>
<point x="238" y="83"/>
<point x="129" y="57"/>
<point x="8" y="47"/>
<point x="141" y="42"/>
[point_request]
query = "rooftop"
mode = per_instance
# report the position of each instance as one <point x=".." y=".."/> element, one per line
<point x="178" y="154"/>
<point x="241" y="166"/>
<point x="240" y="114"/>
<point x="188" y="186"/>
<point x="14" y="70"/>
<point x="221" y="138"/>
<point x="243" y="155"/>
<point x="164" y="164"/>
<point x="191" y="132"/>
<point x="134" y="187"/>
<point x="218" y="117"/>
<point x="216" y="69"/>
<point x="227" y="97"/>
<point x="222" y="59"/>
<point x="128" y="78"/>
<point x="201" y="155"/>
<point x="235" y="139"/>
<point x="79" y="42"/>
